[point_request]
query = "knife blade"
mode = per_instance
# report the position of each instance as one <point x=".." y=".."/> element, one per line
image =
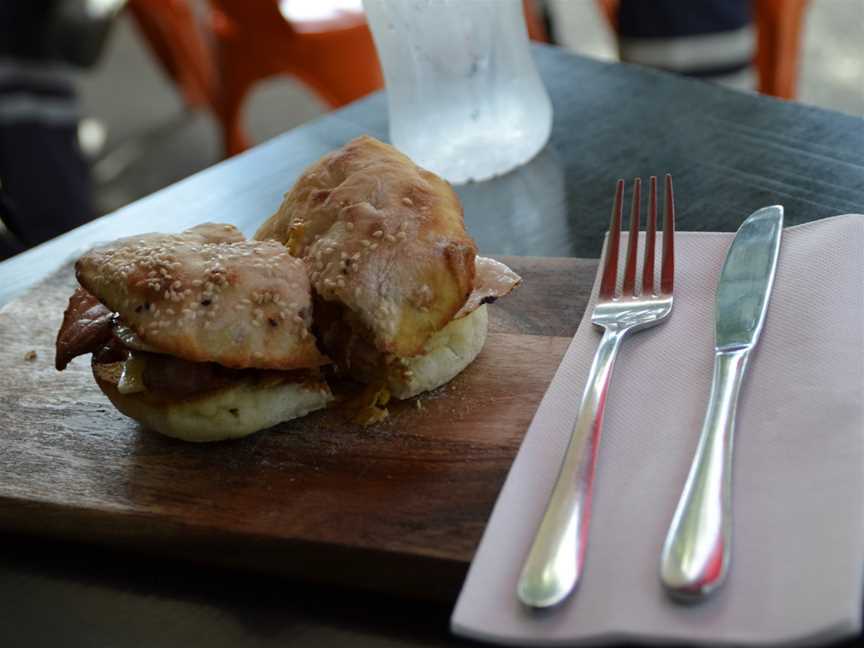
<point x="696" y="553"/>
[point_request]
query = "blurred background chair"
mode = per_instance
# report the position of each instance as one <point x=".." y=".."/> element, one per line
<point x="216" y="58"/>
<point x="778" y="40"/>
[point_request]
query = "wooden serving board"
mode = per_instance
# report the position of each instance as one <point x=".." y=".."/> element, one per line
<point x="400" y="506"/>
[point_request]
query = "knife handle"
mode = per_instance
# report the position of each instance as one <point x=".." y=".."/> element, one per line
<point x="696" y="553"/>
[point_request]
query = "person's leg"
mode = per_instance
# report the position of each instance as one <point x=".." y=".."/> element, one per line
<point x="43" y="178"/>
<point x="44" y="182"/>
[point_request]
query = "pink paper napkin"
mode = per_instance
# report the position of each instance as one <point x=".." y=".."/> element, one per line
<point x="798" y="545"/>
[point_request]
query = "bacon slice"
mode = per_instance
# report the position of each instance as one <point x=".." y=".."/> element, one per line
<point x="492" y="280"/>
<point x="86" y="328"/>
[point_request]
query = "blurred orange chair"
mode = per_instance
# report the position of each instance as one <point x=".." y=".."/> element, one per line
<point x="172" y="32"/>
<point x="334" y="56"/>
<point x="215" y="62"/>
<point x="778" y="40"/>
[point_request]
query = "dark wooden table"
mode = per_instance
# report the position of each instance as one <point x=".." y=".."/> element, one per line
<point x="730" y="153"/>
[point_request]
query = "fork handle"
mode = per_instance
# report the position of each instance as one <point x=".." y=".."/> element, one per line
<point x="696" y="553"/>
<point x="556" y="558"/>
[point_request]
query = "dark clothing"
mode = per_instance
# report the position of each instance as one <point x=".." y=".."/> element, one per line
<point x="705" y="38"/>
<point x="44" y="181"/>
<point x="22" y="24"/>
<point x="671" y="18"/>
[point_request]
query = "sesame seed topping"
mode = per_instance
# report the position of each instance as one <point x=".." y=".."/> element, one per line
<point x="378" y="233"/>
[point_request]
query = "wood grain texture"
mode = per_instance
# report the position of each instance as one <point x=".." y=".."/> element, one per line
<point x="317" y="498"/>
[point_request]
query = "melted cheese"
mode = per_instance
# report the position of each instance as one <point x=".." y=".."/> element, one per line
<point x="132" y="375"/>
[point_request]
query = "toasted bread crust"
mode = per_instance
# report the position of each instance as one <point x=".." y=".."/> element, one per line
<point x="208" y="296"/>
<point x="383" y="237"/>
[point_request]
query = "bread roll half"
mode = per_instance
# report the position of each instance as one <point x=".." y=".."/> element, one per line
<point x="445" y="356"/>
<point x="230" y="412"/>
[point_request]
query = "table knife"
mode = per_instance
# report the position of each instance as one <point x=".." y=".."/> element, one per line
<point x="696" y="554"/>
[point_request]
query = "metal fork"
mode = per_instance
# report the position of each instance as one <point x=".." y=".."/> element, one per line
<point x="557" y="556"/>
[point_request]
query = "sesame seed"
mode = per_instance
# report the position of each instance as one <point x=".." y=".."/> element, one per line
<point x="378" y="233"/>
<point x="407" y="201"/>
<point x="390" y="238"/>
<point x="374" y="246"/>
<point x="349" y="226"/>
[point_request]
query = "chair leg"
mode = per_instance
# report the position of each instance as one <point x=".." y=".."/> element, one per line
<point x="234" y="137"/>
<point x="778" y="25"/>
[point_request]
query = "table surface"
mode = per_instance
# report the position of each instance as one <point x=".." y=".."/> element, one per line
<point x="730" y="153"/>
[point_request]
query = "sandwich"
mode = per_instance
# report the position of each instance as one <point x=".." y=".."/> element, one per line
<point x="399" y="291"/>
<point x="201" y="336"/>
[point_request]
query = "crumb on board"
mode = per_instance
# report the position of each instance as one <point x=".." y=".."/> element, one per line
<point x="30" y="356"/>
<point x="418" y="404"/>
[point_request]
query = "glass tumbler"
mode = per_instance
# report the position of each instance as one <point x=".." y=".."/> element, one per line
<point x="464" y="96"/>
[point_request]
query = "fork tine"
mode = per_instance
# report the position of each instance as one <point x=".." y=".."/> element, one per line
<point x="629" y="287"/>
<point x="610" y="269"/>
<point x="667" y="272"/>
<point x="650" y="241"/>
